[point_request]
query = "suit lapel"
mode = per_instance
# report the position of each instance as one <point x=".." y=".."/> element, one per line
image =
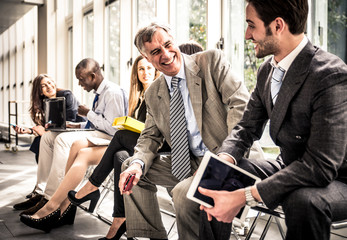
<point x="295" y="77"/>
<point x="194" y="86"/>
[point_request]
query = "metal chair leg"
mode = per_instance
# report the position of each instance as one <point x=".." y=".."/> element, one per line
<point x="267" y="226"/>
<point x="255" y="221"/>
<point x="280" y="228"/>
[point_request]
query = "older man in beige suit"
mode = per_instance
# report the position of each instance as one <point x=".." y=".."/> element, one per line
<point x="214" y="101"/>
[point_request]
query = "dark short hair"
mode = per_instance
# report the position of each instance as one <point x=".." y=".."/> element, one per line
<point x="88" y="64"/>
<point x="293" y="12"/>
<point x="145" y="34"/>
<point x="190" y="47"/>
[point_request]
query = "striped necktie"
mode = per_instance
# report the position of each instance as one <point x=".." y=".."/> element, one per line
<point x="276" y="82"/>
<point x="180" y="158"/>
<point x="88" y="125"/>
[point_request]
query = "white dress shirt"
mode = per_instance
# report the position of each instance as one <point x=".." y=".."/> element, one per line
<point x="112" y="103"/>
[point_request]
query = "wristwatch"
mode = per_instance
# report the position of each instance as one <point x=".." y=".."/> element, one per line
<point x="250" y="201"/>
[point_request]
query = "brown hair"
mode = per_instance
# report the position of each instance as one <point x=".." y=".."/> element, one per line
<point x="36" y="110"/>
<point x="293" y="12"/>
<point x="136" y="87"/>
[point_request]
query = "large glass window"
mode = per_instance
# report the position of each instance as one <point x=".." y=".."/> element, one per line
<point x="113" y="42"/>
<point x="337" y="25"/>
<point x="232" y="32"/>
<point x="88" y="23"/>
<point x="70" y="68"/>
<point x="145" y="11"/>
<point x="88" y="48"/>
<point x="191" y="21"/>
<point x="68" y="7"/>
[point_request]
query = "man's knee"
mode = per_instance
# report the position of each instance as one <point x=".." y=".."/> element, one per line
<point x="181" y="202"/>
<point x="303" y="202"/>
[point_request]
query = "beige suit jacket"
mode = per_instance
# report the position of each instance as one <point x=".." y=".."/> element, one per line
<point x="218" y="98"/>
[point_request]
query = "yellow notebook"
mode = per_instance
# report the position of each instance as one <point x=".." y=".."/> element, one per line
<point x="128" y="123"/>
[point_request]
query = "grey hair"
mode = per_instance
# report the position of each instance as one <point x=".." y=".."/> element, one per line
<point x="145" y="34"/>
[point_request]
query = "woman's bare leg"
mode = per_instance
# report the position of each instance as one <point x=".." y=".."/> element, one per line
<point x="85" y="157"/>
<point x="75" y="148"/>
<point x="85" y="190"/>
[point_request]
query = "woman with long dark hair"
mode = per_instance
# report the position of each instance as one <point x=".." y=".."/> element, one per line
<point x="44" y="87"/>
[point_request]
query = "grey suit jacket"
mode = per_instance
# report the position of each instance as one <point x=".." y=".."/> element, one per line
<point x="218" y="99"/>
<point x="308" y="123"/>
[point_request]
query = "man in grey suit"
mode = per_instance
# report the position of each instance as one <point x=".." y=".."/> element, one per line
<point x="308" y="121"/>
<point x="214" y="101"/>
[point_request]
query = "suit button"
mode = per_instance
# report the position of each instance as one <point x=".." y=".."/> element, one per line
<point x="298" y="137"/>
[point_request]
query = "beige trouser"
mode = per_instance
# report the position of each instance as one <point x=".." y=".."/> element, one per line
<point x="142" y="209"/>
<point x="54" y="153"/>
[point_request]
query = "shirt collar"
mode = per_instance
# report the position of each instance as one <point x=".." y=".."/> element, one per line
<point x="101" y="87"/>
<point x="181" y="74"/>
<point x="288" y="60"/>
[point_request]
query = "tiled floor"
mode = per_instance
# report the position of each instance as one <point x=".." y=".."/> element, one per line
<point x="17" y="178"/>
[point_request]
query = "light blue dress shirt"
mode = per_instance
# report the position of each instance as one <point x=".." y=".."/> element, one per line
<point x="196" y="144"/>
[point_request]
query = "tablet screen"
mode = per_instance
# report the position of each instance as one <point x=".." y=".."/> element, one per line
<point x="219" y="176"/>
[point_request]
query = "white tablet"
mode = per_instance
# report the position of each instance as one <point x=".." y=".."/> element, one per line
<point x="217" y="174"/>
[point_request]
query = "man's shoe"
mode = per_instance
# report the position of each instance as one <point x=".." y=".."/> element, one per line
<point x="32" y="194"/>
<point x="28" y="203"/>
<point x="35" y="208"/>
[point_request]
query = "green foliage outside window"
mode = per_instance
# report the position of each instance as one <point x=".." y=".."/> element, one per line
<point x="251" y="66"/>
<point x="198" y="22"/>
<point x="337" y="24"/>
<point x="335" y="18"/>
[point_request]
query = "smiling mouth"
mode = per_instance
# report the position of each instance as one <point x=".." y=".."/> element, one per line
<point x="168" y="63"/>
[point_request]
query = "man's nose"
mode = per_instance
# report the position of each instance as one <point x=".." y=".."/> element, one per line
<point x="248" y="35"/>
<point x="166" y="52"/>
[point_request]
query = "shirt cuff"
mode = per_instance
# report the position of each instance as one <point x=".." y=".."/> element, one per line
<point x="91" y="115"/>
<point x="139" y="162"/>
<point x="83" y="124"/>
<point x="229" y="156"/>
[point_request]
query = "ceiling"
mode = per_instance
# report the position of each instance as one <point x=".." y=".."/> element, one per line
<point x="12" y="10"/>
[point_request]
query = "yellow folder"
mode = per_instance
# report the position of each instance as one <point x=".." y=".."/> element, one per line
<point x="128" y="123"/>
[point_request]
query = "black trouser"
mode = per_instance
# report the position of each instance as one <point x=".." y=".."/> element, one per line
<point x="120" y="148"/>
<point x="35" y="147"/>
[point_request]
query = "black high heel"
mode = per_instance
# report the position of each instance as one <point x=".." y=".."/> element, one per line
<point x="121" y="230"/>
<point x="93" y="197"/>
<point x="45" y="224"/>
<point x="68" y="216"/>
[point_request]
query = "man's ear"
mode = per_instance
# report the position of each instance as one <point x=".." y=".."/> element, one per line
<point x="279" y="25"/>
<point x="93" y="76"/>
